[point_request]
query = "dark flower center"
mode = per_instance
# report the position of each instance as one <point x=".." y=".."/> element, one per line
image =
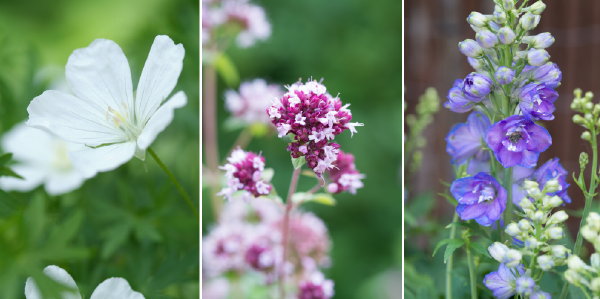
<point x="515" y="137"/>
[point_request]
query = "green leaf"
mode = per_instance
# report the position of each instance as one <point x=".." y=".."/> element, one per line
<point x="481" y="248"/>
<point x="321" y="198"/>
<point x="452" y="246"/>
<point x="298" y="162"/>
<point x="259" y="129"/>
<point x="227" y="69"/>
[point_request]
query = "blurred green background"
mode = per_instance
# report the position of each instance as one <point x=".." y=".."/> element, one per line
<point x="126" y="223"/>
<point x="355" y="46"/>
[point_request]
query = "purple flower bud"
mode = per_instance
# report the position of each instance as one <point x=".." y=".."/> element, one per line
<point x="470" y="48"/>
<point x="541" y="295"/>
<point x="517" y="140"/>
<point x="477" y="19"/>
<point x="499" y="15"/>
<point x="525" y="285"/>
<point x="465" y="140"/>
<point x="548" y="74"/>
<point x="504" y="75"/>
<point x="479" y="197"/>
<point x="457" y="101"/>
<point x="540" y="41"/>
<point x="537" y="101"/>
<point x="529" y="21"/>
<point x="537" y="57"/>
<point x="474" y="63"/>
<point x="506" y="35"/>
<point x="502" y="281"/>
<point x="476" y="86"/>
<point x="552" y="170"/>
<point x="486" y="38"/>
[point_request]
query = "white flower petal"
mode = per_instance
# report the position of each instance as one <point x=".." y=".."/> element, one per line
<point x="63" y="182"/>
<point x="32" y="177"/>
<point x="160" y="120"/>
<point x="115" y="288"/>
<point x="159" y="76"/>
<point x="57" y="274"/>
<point x="100" y="74"/>
<point x="72" y="119"/>
<point x="105" y="158"/>
<point x="27" y="144"/>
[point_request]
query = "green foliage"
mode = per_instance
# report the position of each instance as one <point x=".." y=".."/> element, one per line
<point x="126" y="223"/>
<point x="427" y="107"/>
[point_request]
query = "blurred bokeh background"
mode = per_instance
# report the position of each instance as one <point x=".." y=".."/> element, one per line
<point x="355" y="46"/>
<point x="126" y="223"/>
<point x="433" y="30"/>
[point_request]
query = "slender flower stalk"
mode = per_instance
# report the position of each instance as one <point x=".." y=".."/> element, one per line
<point x="450" y="262"/>
<point x="289" y="206"/>
<point x="472" y="270"/>
<point x="209" y="127"/>
<point x="175" y="182"/>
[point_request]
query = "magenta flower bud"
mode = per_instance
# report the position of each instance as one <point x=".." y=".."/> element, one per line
<point x="344" y="176"/>
<point x="506" y="35"/>
<point x="244" y="172"/>
<point x="476" y="86"/>
<point x="486" y="39"/>
<point x="537" y="57"/>
<point x="316" y="287"/>
<point x="504" y="75"/>
<point x="470" y="48"/>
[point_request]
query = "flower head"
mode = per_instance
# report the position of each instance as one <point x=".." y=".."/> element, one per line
<point x="553" y="170"/>
<point x="41" y="159"/>
<point x="224" y="248"/>
<point x="314" y="118"/>
<point x="102" y="113"/>
<point x="249" y="104"/>
<point x="548" y="74"/>
<point x="517" y="140"/>
<point x="248" y="19"/>
<point x="502" y="282"/>
<point x="537" y="101"/>
<point x="244" y="171"/>
<point x="315" y="287"/>
<point x="479" y="197"/>
<point x="344" y="176"/>
<point x="109" y="288"/>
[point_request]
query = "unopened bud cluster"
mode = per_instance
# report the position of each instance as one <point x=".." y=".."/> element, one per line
<point x="580" y="274"/>
<point x="588" y="113"/>
<point x="540" y="225"/>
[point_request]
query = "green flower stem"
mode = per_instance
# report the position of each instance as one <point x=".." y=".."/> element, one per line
<point x="508" y="174"/>
<point x="450" y="262"/>
<point x="174" y="180"/>
<point x="472" y="274"/>
<point x="589" y="197"/>
<point x="289" y="205"/>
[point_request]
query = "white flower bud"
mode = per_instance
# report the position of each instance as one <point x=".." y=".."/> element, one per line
<point x="550" y="202"/>
<point x="537" y="8"/>
<point x="574" y="278"/>
<point x="500" y="17"/>
<point x="508" y="4"/>
<point x="529" y="21"/>
<point x="559" y="251"/>
<point x="535" y="193"/>
<point x="593" y="220"/>
<point x="532" y="243"/>
<point x="589" y="234"/>
<point x="477" y="19"/>
<point x="530" y="185"/>
<point x="506" y="35"/>
<point x="486" y="38"/>
<point x="595" y="261"/>
<point x="498" y="251"/>
<point x="595" y="285"/>
<point x="542" y="40"/>
<point x="524" y="225"/>
<point x="512" y="229"/>
<point x="558" y="217"/>
<point x="575" y="263"/>
<point x="470" y="48"/>
<point x="539" y="216"/>
<point x="551" y="186"/>
<point x="545" y="262"/>
<point x="512" y="258"/>
<point x="537" y="57"/>
<point x="526" y="204"/>
<point x="555" y="232"/>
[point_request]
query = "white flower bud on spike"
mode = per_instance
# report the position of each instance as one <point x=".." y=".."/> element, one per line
<point x="595" y="261"/>
<point x="508" y="4"/>
<point x="551" y="186"/>
<point x="537" y="8"/>
<point x="593" y="220"/>
<point x="500" y="17"/>
<point x="555" y="232"/>
<point x="512" y="258"/>
<point x="506" y="35"/>
<point x="486" y="38"/>
<point x="530" y="185"/>
<point x="573" y="277"/>
<point x="526" y="204"/>
<point x="498" y="251"/>
<point x="524" y="225"/>
<point x="595" y="285"/>
<point x="545" y="262"/>
<point x="575" y="263"/>
<point x="470" y="48"/>
<point x="557" y="218"/>
<point x="529" y="21"/>
<point x="532" y="243"/>
<point x="477" y="19"/>
<point x="559" y="251"/>
<point x="539" y="216"/>
<point x="589" y="234"/>
<point x="551" y="202"/>
<point x="512" y="229"/>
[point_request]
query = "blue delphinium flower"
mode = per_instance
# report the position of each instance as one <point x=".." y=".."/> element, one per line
<point x="548" y="74"/>
<point x="457" y="101"/>
<point x="479" y="197"/>
<point x="537" y="101"/>
<point x="517" y="140"/>
<point x="467" y="140"/>
<point x="502" y="282"/>
<point x="525" y="285"/>
<point x="553" y="170"/>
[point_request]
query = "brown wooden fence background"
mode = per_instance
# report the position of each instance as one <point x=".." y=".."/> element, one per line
<point x="432" y="30"/>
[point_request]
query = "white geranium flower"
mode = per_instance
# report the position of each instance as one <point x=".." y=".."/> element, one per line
<point x="103" y="113"/>
<point x="41" y="159"/>
<point x="112" y="288"/>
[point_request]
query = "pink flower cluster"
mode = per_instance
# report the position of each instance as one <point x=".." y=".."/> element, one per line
<point x="316" y="287"/>
<point x="344" y="176"/>
<point x="314" y="117"/>
<point x="249" y="104"/>
<point x="244" y="172"/>
<point x="250" y="18"/>
<point x="248" y="240"/>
